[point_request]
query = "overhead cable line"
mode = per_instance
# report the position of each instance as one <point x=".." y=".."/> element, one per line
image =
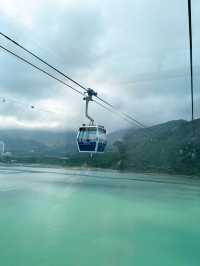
<point x="114" y="112"/>
<point x="42" y="60"/>
<point x="59" y="80"/>
<point x="64" y="83"/>
<point x="40" y="69"/>
<point x="45" y="72"/>
<point x="191" y="55"/>
<point x="72" y="80"/>
<point x="124" y="114"/>
<point x="31" y="106"/>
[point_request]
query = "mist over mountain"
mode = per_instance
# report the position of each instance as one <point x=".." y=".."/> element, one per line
<point x="38" y="142"/>
<point x="172" y="147"/>
<point x="45" y="142"/>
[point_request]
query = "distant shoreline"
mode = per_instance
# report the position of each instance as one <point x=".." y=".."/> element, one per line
<point x="90" y="168"/>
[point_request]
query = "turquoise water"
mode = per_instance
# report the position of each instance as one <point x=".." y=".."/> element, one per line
<point x="71" y="217"/>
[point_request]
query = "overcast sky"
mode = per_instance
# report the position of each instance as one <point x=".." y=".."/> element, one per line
<point x="135" y="53"/>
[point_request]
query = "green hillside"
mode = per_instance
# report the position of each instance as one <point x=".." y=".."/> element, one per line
<point x="170" y="147"/>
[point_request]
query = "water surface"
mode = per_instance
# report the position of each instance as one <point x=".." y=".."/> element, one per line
<point x="64" y="217"/>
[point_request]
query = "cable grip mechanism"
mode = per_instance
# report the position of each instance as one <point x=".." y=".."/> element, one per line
<point x="89" y="94"/>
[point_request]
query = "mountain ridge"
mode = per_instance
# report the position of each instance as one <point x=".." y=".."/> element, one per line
<point x="171" y="147"/>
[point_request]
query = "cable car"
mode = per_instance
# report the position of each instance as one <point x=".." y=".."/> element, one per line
<point x="91" y="138"/>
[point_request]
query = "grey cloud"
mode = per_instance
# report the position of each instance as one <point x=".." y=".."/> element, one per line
<point x="135" y="53"/>
<point x="72" y="35"/>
